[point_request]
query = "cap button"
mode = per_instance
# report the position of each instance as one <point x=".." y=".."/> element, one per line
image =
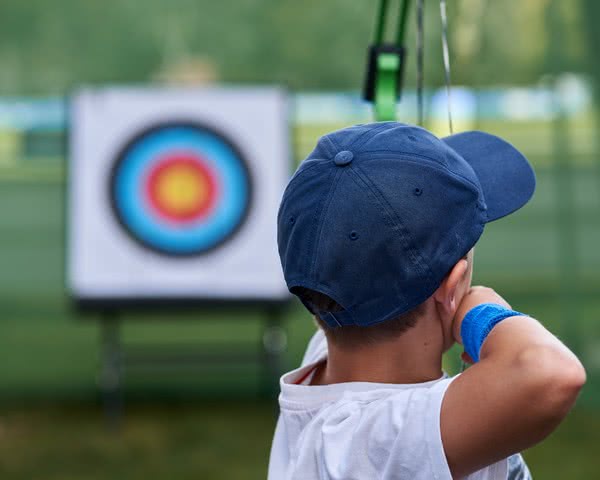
<point x="343" y="158"/>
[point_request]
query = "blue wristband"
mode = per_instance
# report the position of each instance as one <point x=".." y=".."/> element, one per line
<point x="478" y="323"/>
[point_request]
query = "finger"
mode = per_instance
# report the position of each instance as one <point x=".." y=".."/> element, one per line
<point x="466" y="358"/>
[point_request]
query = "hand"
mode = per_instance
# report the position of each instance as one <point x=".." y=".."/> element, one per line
<point x="475" y="296"/>
<point x="465" y="357"/>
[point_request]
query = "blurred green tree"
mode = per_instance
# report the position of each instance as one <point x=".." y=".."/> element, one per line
<point x="49" y="47"/>
<point x="590" y="10"/>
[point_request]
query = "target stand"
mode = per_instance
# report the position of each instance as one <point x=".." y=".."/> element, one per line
<point x="172" y="203"/>
<point x="118" y="361"/>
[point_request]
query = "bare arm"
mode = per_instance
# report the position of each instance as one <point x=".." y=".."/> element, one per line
<point x="523" y="386"/>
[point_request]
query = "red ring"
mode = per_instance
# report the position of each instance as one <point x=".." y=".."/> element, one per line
<point x="198" y="168"/>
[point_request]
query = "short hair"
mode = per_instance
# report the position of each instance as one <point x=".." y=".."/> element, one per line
<point x="355" y="336"/>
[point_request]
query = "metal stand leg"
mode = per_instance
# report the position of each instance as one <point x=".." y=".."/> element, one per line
<point x="274" y="342"/>
<point x="272" y="347"/>
<point x="110" y="378"/>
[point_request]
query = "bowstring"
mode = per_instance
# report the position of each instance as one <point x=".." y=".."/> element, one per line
<point x="420" y="62"/>
<point x="446" y="55"/>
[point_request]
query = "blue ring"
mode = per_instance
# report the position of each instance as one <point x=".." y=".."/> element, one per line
<point x="130" y="175"/>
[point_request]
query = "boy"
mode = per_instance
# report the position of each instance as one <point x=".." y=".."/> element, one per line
<point x="376" y="232"/>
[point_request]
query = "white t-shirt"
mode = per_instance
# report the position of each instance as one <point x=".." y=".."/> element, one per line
<point x="361" y="430"/>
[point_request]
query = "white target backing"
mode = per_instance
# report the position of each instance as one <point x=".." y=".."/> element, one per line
<point x="173" y="194"/>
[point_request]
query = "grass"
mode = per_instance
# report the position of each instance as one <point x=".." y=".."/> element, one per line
<point x="211" y="441"/>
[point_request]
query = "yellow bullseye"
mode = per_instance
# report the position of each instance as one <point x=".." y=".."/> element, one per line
<point x="180" y="189"/>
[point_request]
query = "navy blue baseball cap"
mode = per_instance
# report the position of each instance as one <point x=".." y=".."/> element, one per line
<point x="378" y="214"/>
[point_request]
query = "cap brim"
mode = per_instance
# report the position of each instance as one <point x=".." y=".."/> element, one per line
<point x="506" y="178"/>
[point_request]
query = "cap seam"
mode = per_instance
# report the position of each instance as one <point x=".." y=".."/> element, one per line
<point x="332" y="148"/>
<point x="291" y="182"/>
<point x="390" y="212"/>
<point x="320" y="221"/>
<point x="313" y="224"/>
<point x="313" y="241"/>
<point x="305" y="169"/>
<point x="435" y="165"/>
<point x="357" y="143"/>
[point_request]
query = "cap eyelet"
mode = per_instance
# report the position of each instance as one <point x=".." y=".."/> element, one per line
<point x="353" y="235"/>
<point x="412" y="137"/>
<point x="292" y="220"/>
<point x="418" y="191"/>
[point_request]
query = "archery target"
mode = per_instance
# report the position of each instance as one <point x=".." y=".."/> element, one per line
<point x="173" y="195"/>
<point x="180" y="188"/>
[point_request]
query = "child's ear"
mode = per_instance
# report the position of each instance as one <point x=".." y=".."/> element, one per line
<point x="445" y="295"/>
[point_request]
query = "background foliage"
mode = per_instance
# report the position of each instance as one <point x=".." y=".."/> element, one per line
<point x="313" y="44"/>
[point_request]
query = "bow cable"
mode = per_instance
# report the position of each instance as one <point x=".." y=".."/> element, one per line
<point x="420" y="62"/>
<point x="446" y="55"/>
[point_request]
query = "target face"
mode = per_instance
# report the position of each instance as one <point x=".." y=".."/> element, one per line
<point x="180" y="189"/>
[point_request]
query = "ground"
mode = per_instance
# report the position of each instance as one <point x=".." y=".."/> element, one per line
<point x="212" y="441"/>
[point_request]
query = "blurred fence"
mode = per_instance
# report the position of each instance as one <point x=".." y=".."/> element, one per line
<point x="545" y="259"/>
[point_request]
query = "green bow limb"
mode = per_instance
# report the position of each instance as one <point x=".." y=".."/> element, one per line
<point x="386" y="90"/>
